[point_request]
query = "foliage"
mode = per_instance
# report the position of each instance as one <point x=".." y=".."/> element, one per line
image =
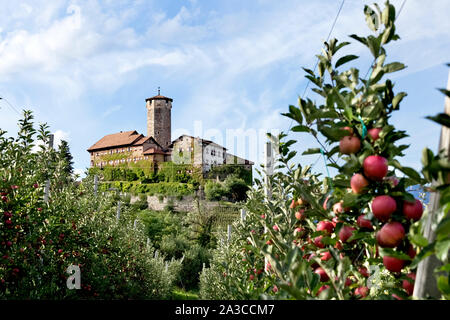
<point x="215" y="191"/>
<point x="223" y="171"/>
<point x="66" y="156"/>
<point x="233" y="188"/>
<point x="39" y="240"/>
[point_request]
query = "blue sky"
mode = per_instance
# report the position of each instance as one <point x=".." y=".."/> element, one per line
<point x="86" y="67"/>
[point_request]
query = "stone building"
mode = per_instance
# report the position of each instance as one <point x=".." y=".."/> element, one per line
<point x="199" y="152"/>
<point x="130" y="146"/>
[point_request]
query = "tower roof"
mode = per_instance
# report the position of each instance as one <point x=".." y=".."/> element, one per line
<point x="159" y="97"/>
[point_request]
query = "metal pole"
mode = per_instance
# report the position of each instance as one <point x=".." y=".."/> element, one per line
<point x="95" y="184"/>
<point x="267" y="189"/>
<point x="47" y="183"/>
<point x="243" y="214"/>
<point x="426" y="283"/>
<point x="229" y="233"/>
<point x="118" y="211"/>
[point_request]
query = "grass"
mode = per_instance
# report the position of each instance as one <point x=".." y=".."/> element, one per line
<point x="181" y="294"/>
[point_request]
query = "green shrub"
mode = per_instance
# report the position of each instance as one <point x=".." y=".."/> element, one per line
<point x="174" y="247"/>
<point x="192" y="266"/>
<point x="214" y="191"/>
<point x="236" y="188"/>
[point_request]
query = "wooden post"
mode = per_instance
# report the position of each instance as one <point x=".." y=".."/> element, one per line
<point x="95" y="184"/>
<point x="269" y="168"/>
<point x="47" y="183"/>
<point x="426" y="283"/>
<point x="243" y="214"/>
<point x="267" y="189"/>
<point x="118" y="211"/>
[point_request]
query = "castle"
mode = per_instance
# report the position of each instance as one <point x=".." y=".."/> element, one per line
<point x="128" y="147"/>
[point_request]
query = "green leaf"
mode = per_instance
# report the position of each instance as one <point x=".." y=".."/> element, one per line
<point x="424" y="253"/>
<point x="300" y="128"/>
<point x="443" y="284"/>
<point x="340" y="45"/>
<point x="345" y="59"/>
<point x="443" y="227"/>
<point x="311" y="151"/>
<point x="441" y="118"/>
<point x="374" y="45"/>
<point x="397" y="99"/>
<point x="442" y="248"/>
<point x="418" y="240"/>
<point x="392" y="253"/>
<point x="350" y="199"/>
<point x="446" y="92"/>
<point x="358" y="38"/>
<point x="393" y="67"/>
<point x="371" y="18"/>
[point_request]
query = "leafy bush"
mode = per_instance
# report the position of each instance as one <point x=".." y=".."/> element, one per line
<point x="215" y="191"/>
<point x="236" y="188"/>
<point x="224" y="171"/>
<point x="192" y="266"/>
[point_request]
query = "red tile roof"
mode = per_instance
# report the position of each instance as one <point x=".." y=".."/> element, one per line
<point x="154" y="151"/>
<point x="117" y="140"/>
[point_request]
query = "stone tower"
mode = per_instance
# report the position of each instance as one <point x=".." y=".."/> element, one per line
<point x="159" y="119"/>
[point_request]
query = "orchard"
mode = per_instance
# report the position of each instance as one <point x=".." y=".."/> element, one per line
<point x="356" y="235"/>
<point x="359" y="234"/>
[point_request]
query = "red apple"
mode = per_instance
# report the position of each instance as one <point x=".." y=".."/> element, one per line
<point x="358" y="183"/>
<point x="325" y="226"/>
<point x="409" y="285"/>
<point x="374" y="133"/>
<point x="325" y="203"/>
<point x="350" y="130"/>
<point x="325" y="256"/>
<point x="391" y="235"/>
<point x="413" y="210"/>
<point x="364" y="223"/>
<point x="322" y="288"/>
<point x="375" y="167"/>
<point x="300" y="214"/>
<point x="293" y="204"/>
<point x="383" y="207"/>
<point x="338" y="207"/>
<point x="338" y="245"/>
<point x="348" y="282"/>
<point x="393" y="264"/>
<point x="345" y="233"/>
<point x="349" y="145"/>
<point x="362" y="291"/>
<point x="323" y="275"/>
<point x="318" y="242"/>
<point x="364" y="272"/>
<point x="411" y="252"/>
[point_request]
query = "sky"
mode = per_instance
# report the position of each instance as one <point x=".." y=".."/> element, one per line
<point x="231" y="67"/>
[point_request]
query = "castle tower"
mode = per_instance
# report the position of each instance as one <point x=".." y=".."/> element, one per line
<point x="159" y="120"/>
